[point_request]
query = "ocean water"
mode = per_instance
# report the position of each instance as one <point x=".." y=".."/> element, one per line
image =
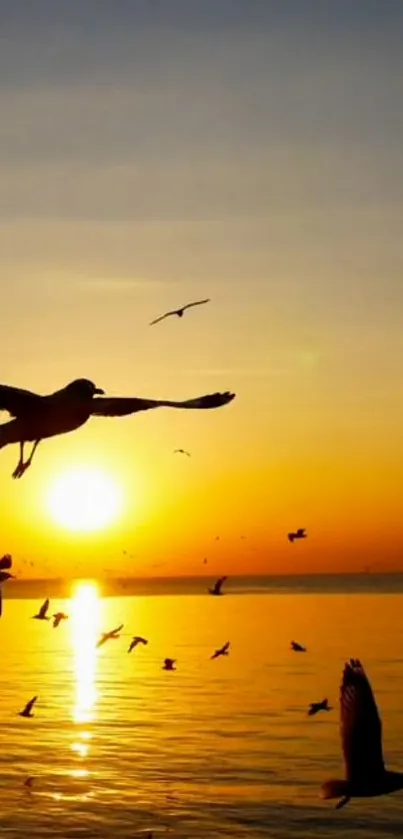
<point x="118" y="747"/>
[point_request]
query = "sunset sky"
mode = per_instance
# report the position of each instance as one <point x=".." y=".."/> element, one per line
<point x="250" y="151"/>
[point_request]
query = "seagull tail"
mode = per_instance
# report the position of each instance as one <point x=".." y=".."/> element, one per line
<point x="335" y="789"/>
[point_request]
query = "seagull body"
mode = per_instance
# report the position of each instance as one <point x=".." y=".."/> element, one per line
<point x="57" y="618"/>
<point x="182" y="451"/>
<point x="299" y="534"/>
<point x="27" y="711"/>
<point x="315" y="707"/>
<point x="298" y="648"/>
<point x="107" y="636"/>
<point x="169" y="664"/>
<point x="179" y="312"/>
<point x="221" y="651"/>
<point x="136" y="640"/>
<point x="38" y="417"/>
<point x="42" y="616"/>
<point x="217" y="586"/>
<point x="361" y="739"/>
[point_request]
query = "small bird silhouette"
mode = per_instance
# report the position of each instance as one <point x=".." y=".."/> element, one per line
<point x="27" y="711"/>
<point x="38" y="417"/>
<point x="315" y="707"/>
<point x="28" y="782"/>
<point x="361" y="740"/>
<point x="107" y="636"/>
<point x="179" y="312"/>
<point x="299" y="534"/>
<point x="217" y="586"/>
<point x="57" y="618"/>
<point x="137" y="639"/>
<point x="298" y="648"/>
<point x="169" y="664"/>
<point x="182" y="451"/>
<point x="42" y="616"/>
<point x="222" y="651"/>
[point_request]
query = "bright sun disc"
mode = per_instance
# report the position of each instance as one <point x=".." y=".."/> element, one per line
<point x="84" y="500"/>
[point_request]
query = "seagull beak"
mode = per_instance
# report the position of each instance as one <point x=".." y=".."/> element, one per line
<point x="100" y="391"/>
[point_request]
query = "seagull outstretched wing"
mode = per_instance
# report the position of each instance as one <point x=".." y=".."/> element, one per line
<point x="360" y="724"/>
<point x="122" y="406"/>
<point x="162" y="317"/>
<point x="18" y="402"/>
<point x="44" y="608"/>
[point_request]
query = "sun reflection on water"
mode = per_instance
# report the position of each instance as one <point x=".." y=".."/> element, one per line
<point x="85" y="623"/>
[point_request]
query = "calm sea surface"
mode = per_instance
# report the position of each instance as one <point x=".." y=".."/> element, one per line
<point x="118" y="747"/>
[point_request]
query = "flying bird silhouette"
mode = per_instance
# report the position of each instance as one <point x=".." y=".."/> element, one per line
<point x="218" y="586"/>
<point x="107" y="636"/>
<point x="27" y="711"/>
<point x="182" y="451"/>
<point x="5" y="562"/>
<point x="42" y="616"/>
<point x="179" y="312"/>
<point x="136" y="640"/>
<point x="38" y="417"/>
<point x="28" y="782"/>
<point x="299" y="534"/>
<point x="315" y="707"/>
<point x="221" y="651"/>
<point x="298" y="648"/>
<point x="361" y="739"/>
<point x="57" y="618"/>
<point x="169" y="664"/>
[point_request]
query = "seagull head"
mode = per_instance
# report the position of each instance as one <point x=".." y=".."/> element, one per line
<point x="83" y="389"/>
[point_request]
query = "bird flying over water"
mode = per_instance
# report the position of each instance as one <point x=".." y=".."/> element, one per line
<point x="361" y="740"/>
<point x="299" y="534"/>
<point x="221" y="651"/>
<point x="298" y="648"/>
<point x="38" y="417"/>
<point x="107" y="636"/>
<point x="136" y="640"/>
<point x="42" y="616"/>
<point x="182" y="451"/>
<point x="179" y="312"/>
<point x="315" y="707"/>
<point x="57" y="618"/>
<point x="27" y="711"/>
<point x="169" y="664"/>
<point x="217" y="586"/>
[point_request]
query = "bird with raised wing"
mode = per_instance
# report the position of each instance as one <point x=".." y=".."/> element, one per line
<point x="107" y="636"/>
<point x="224" y="650"/>
<point x="42" y="614"/>
<point x="315" y="707"/>
<point x="39" y="417"/>
<point x="136" y="640"/>
<point x="216" y="590"/>
<point x="182" y="451"/>
<point x="179" y="312"/>
<point x="27" y="711"/>
<point x="361" y="740"/>
<point x="169" y="664"/>
<point x="58" y="618"/>
<point x="299" y="534"/>
<point x="298" y="648"/>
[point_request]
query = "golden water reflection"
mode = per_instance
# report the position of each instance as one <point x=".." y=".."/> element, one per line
<point x="85" y="627"/>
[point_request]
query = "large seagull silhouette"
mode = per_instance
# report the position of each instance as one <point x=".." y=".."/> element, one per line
<point x="38" y="417"/>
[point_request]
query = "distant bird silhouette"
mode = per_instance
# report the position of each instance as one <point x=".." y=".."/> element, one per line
<point x="27" y="711"/>
<point x="361" y="739"/>
<point x="315" y="707"/>
<point x="222" y="651"/>
<point x="57" y="618"/>
<point x="299" y="534"/>
<point x="298" y="648"/>
<point x="218" y="586"/>
<point x="28" y="782"/>
<point x="179" y="312"/>
<point x="169" y="664"/>
<point x="42" y="616"/>
<point x="182" y="451"/>
<point x="205" y="561"/>
<point x="107" y="636"/>
<point x="137" y="639"/>
<point x="38" y="417"/>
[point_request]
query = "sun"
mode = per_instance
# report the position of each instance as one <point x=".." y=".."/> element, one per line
<point x="84" y="500"/>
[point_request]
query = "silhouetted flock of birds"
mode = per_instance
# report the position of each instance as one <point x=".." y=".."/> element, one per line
<point x="36" y="417"/>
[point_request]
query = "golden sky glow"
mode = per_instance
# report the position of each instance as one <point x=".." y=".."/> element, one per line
<point x="151" y="164"/>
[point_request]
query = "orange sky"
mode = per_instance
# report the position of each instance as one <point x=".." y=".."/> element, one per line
<point x="209" y="153"/>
